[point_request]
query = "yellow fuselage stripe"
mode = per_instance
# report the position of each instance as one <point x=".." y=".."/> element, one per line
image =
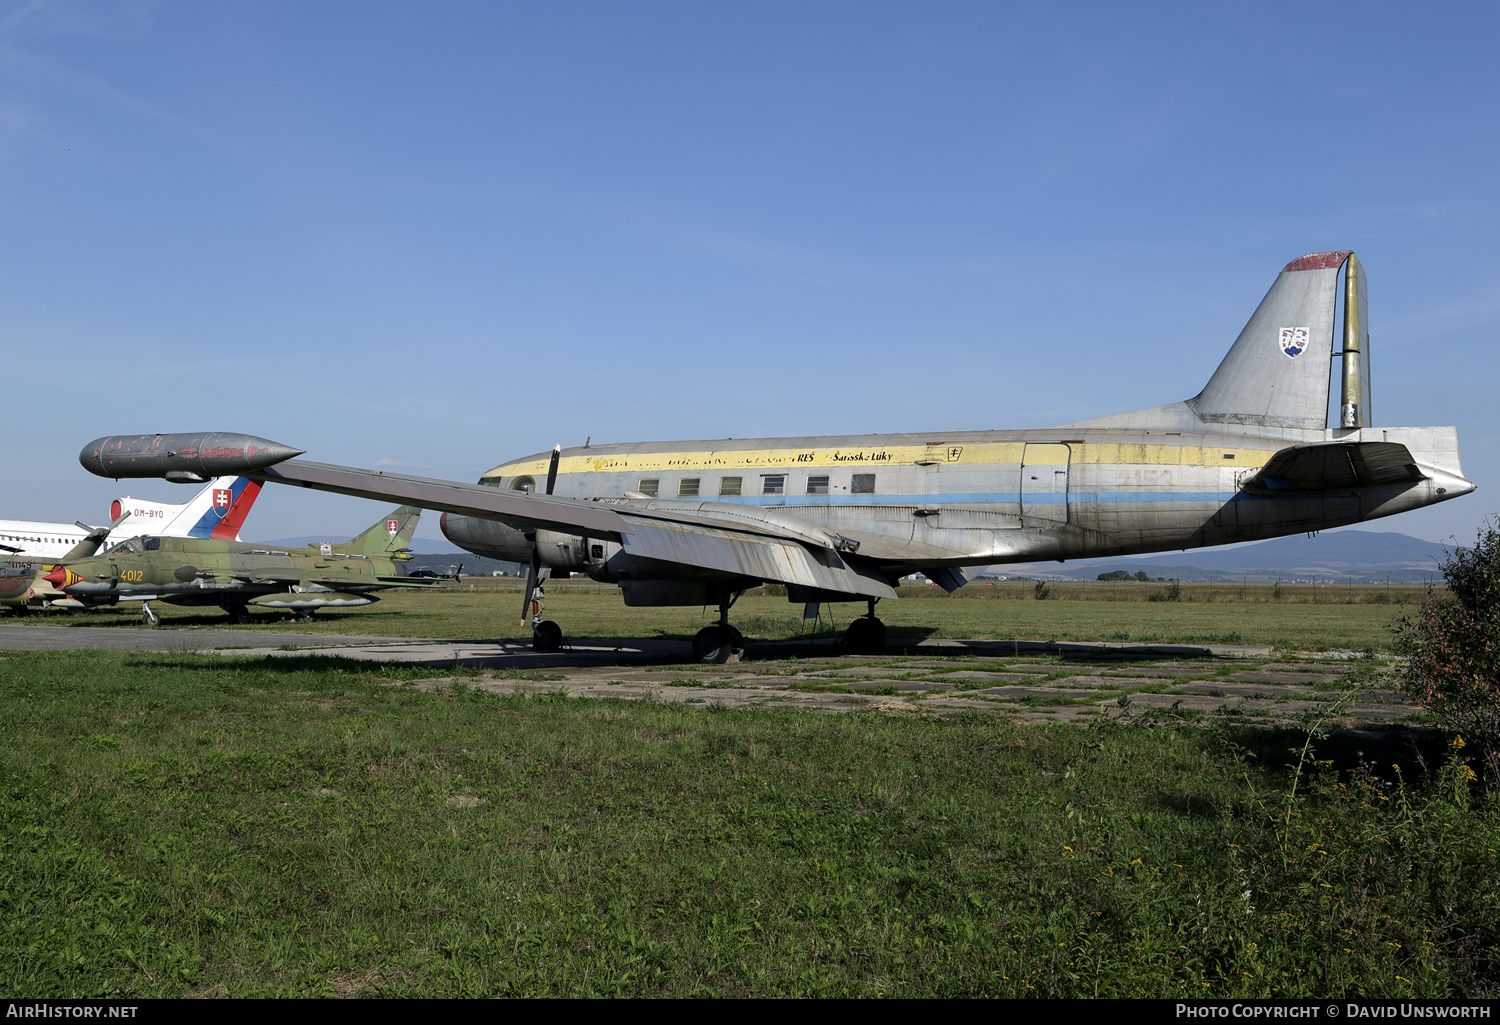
<point x="1001" y="453"/>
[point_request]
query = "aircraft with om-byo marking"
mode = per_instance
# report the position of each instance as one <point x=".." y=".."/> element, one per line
<point x="234" y="575"/>
<point x="1251" y="456"/>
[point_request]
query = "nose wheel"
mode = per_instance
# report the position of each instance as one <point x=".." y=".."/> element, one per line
<point x="866" y="635"/>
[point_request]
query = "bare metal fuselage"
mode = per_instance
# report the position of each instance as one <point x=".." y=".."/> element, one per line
<point x="980" y="497"/>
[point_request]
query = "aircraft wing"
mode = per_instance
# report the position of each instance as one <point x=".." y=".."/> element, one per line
<point x="787" y="553"/>
<point x="519" y="508"/>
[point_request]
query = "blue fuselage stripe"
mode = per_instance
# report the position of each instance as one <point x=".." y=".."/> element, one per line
<point x="983" y="498"/>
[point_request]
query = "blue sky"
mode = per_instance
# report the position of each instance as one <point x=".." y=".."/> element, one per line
<point x="438" y="236"/>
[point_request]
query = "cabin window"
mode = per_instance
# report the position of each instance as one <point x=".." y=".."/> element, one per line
<point x="817" y="485"/>
<point x="773" y="484"/>
<point x="730" y="485"/>
<point x="523" y="484"/>
<point x="491" y="482"/>
<point x="862" y="484"/>
<point x="649" y="487"/>
<point x="687" y="487"/>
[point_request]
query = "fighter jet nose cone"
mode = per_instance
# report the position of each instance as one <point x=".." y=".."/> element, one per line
<point x="56" y="577"/>
<point x="182" y="457"/>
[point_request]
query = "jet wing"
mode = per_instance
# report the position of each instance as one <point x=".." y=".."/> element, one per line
<point x="793" y="553"/>
<point x="1329" y="466"/>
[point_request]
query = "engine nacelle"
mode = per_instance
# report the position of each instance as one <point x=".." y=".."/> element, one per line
<point x="495" y="540"/>
<point x="486" y="537"/>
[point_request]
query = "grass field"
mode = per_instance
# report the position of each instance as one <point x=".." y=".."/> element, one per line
<point x="596" y="611"/>
<point x="182" y="824"/>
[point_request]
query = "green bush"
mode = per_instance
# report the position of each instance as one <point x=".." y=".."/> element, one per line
<point x="1453" y="649"/>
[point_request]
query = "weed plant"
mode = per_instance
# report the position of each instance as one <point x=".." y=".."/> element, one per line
<point x="176" y="824"/>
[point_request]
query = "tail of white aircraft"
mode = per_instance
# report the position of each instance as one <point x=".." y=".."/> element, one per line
<point x="1277" y="372"/>
<point x="218" y="511"/>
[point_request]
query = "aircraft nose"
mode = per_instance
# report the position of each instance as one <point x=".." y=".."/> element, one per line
<point x="56" y="577"/>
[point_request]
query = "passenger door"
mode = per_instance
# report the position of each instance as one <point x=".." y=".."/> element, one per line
<point x="1044" y="486"/>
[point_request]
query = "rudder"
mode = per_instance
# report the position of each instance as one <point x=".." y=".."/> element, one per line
<point x="1277" y="373"/>
<point x="390" y="536"/>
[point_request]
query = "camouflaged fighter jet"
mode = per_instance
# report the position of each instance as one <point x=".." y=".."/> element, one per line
<point x="1251" y="456"/>
<point x="234" y="575"/>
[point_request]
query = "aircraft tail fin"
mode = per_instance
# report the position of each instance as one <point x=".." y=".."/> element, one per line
<point x="217" y="511"/>
<point x="94" y="539"/>
<point x="1277" y="372"/>
<point x="391" y="536"/>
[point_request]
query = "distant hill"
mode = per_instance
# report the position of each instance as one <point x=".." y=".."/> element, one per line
<point x="1361" y="554"/>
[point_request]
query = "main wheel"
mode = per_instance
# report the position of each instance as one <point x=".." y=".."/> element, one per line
<point x="546" y="636"/>
<point x="238" y="613"/>
<point x="736" y="641"/>
<point x="712" y="645"/>
<point x="865" y="636"/>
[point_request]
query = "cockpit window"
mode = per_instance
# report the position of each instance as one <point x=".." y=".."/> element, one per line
<point x="137" y="545"/>
<point x="523" y="484"/>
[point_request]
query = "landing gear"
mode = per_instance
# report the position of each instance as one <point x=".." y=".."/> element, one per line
<point x="714" y="645"/>
<point x="866" y="635"/>
<point x="238" y="613"/>
<point x="149" y="616"/>
<point x="546" y="636"/>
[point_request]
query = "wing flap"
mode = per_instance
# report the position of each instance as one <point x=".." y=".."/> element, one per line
<point x="749" y="555"/>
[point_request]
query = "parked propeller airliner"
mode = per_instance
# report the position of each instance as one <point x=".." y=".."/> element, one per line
<point x="1251" y="456"/>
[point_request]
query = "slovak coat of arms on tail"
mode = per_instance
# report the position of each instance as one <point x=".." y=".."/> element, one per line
<point x="1294" y="341"/>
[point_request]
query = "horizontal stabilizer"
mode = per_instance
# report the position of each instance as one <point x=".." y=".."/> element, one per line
<point x="1334" y="465"/>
